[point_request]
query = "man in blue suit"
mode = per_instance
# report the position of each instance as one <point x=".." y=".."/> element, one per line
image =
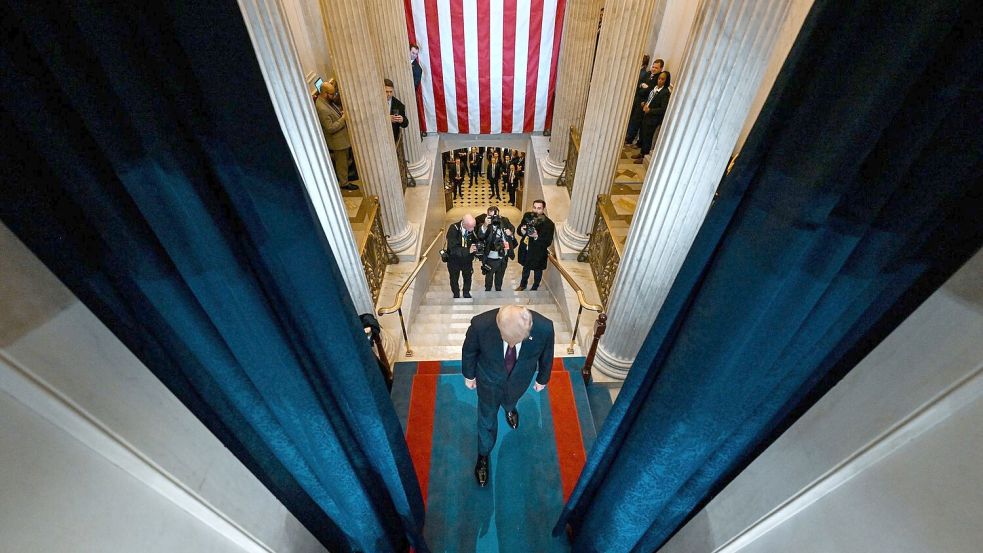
<point x="502" y="351"/>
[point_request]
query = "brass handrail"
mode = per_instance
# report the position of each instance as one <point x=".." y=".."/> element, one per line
<point x="581" y="299"/>
<point x="397" y="306"/>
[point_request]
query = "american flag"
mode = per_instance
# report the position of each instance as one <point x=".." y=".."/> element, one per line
<point x="489" y="66"/>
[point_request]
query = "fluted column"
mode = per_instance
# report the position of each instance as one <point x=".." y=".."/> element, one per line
<point x="393" y="46"/>
<point x="573" y="80"/>
<point x="352" y="49"/>
<point x="624" y="31"/>
<point x="721" y="71"/>
<point x="267" y="25"/>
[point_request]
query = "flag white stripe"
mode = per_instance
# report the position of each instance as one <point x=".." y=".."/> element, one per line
<point x="545" y="64"/>
<point x="426" y="81"/>
<point x="496" y="10"/>
<point x="447" y="60"/>
<point x="471" y="58"/>
<point x="523" y="9"/>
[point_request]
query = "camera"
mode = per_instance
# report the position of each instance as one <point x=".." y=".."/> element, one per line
<point x="495" y="220"/>
<point x="479" y="251"/>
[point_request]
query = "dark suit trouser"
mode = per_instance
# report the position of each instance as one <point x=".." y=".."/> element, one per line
<point x="512" y="195"/>
<point x="455" y="274"/>
<point x="493" y="185"/>
<point x="458" y="187"/>
<point x="536" y="279"/>
<point x="497" y="273"/>
<point x="475" y="170"/>
<point x="488" y="420"/>
<point x="634" y="123"/>
<point x="647" y="136"/>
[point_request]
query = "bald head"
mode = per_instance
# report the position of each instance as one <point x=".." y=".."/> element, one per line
<point x="468" y="221"/>
<point x="515" y="323"/>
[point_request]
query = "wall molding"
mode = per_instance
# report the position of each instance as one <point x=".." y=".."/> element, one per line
<point x="951" y="400"/>
<point x="39" y="396"/>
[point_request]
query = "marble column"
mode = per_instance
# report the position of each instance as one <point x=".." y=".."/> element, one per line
<point x="728" y="51"/>
<point x="624" y="31"/>
<point x="352" y="49"/>
<point x="573" y="78"/>
<point x="393" y="46"/>
<point x="266" y="23"/>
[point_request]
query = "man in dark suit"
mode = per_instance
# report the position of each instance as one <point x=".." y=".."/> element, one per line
<point x="461" y="247"/>
<point x="511" y="180"/>
<point x="474" y="165"/>
<point x="494" y="175"/>
<point x="536" y="232"/>
<point x="456" y="172"/>
<point x="397" y="111"/>
<point x="646" y="82"/>
<point x="502" y="351"/>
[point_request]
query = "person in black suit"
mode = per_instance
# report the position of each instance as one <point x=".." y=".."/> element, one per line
<point x="646" y="82"/>
<point x="461" y="247"/>
<point x="511" y="181"/>
<point x="456" y="172"/>
<point x="536" y="236"/>
<point x="415" y="64"/>
<point x="474" y="165"/>
<point x="497" y="238"/>
<point x="502" y="350"/>
<point x="397" y="111"/>
<point x="653" y="112"/>
<point x="494" y="175"/>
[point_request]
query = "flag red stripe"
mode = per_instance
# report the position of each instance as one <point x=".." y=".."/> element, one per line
<point x="484" y="64"/>
<point x="566" y="428"/>
<point x="558" y="30"/>
<point x="460" y="64"/>
<point x="508" y="63"/>
<point x="436" y="65"/>
<point x="532" y="65"/>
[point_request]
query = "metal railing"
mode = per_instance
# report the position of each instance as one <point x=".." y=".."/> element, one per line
<point x="397" y="306"/>
<point x="599" y="325"/>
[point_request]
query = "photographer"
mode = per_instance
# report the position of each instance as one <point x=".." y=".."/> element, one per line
<point x="536" y="232"/>
<point x="497" y="237"/>
<point x="461" y="247"/>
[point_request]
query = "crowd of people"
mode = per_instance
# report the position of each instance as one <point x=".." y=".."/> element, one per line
<point x="493" y="240"/>
<point x="651" y="98"/>
<point x="503" y="168"/>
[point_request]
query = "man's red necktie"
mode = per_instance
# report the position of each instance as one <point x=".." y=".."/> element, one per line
<point x="509" y="360"/>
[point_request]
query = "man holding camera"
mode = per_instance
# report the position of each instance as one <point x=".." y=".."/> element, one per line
<point x="536" y="232"/>
<point x="461" y="247"/>
<point x="497" y="237"/>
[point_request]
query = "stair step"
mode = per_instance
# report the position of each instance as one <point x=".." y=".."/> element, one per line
<point x="452" y="311"/>
<point x="441" y="353"/>
<point x="457" y="338"/>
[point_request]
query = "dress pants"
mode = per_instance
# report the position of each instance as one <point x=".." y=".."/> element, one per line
<point x="497" y="274"/>
<point x="340" y="161"/>
<point x="456" y="273"/>
<point x="475" y="170"/>
<point x="488" y="418"/>
<point x="493" y="185"/>
<point x="536" y="279"/>
<point x="458" y="187"/>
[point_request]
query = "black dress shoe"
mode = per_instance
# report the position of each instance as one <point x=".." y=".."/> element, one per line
<point x="512" y="417"/>
<point x="350" y="186"/>
<point x="456" y="295"/>
<point x="481" y="470"/>
<point x="467" y="294"/>
<point x="534" y="287"/>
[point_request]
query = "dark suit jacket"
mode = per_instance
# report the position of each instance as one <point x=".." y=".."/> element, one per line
<point x="657" y="109"/>
<point x="397" y="108"/>
<point x="483" y="357"/>
<point x="499" y="168"/>
<point x="458" y="246"/>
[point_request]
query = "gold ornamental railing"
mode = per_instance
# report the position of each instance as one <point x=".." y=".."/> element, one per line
<point x="397" y="306"/>
<point x="373" y="248"/>
<point x="605" y="248"/>
<point x="599" y="325"/>
<point x="570" y="164"/>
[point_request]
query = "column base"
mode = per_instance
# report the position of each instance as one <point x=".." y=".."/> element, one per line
<point x="403" y="242"/>
<point x="421" y="169"/>
<point x="609" y="365"/>
<point x="570" y="239"/>
<point x="552" y="167"/>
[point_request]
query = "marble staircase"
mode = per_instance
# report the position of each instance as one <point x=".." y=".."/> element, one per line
<point x="440" y="323"/>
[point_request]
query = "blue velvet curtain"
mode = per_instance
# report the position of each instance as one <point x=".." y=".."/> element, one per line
<point x="858" y="192"/>
<point x="143" y="163"/>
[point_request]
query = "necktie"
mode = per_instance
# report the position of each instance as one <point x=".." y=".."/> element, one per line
<point x="509" y="360"/>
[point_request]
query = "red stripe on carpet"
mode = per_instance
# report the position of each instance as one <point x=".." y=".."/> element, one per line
<point x="436" y="64"/>
<point x="419" y="432"/>
<point x="569" y="443"/>
<point x="428" y="367"/>
<point x="532" y="63"/>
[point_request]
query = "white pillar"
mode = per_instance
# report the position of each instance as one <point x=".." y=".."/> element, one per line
<point x="573" y="78"/>
<point x="729" y="50"/>
<point x="393" y="47"/>
<point x="352" y="48"/>
<point x="624" y="30"/>
<point x="266" y="22"/>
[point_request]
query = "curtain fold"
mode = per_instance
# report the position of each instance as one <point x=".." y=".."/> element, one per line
<point x="145" y="166"/>
<point x="857" y="194"/>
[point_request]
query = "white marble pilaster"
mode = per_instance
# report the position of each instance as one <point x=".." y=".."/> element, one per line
<point x="352" y="48"/>
<point x="624" y="30"/>
<point x="266" y="23"/>
<point x="729" y="49"/>
<point x="573" y="79"/>
<point x="393" y="46"/>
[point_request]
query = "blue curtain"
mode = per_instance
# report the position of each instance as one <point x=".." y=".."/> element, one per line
<point x="143" y="163"/>
<point x="857" y="194"/>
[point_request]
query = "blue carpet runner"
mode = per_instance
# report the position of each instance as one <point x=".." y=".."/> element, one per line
<point x="533" y="468"/>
